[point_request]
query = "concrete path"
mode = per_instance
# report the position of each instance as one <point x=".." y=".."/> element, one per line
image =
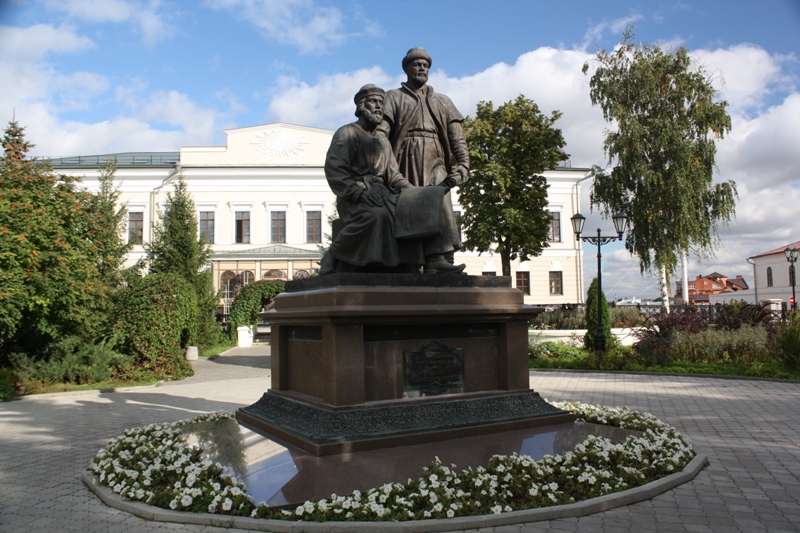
<point x="749" y="429"/>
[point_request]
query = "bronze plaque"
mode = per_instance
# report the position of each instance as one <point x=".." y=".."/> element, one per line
<point x="433" y="369"/>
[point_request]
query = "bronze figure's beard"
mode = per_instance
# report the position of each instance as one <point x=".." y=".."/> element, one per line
<point x="374" y="117"/>
<point x="419" y="79"/>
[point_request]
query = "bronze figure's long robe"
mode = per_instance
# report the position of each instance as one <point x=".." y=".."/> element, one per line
<point x="358" y="160"/>
<point x="424" y="130"/>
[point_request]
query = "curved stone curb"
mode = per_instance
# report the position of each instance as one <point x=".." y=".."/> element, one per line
<point x="665" y="374"/>
<point x="586" y="507"/>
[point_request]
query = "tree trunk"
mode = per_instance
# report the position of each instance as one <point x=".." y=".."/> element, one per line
<point x="664" y="289"/>
<point x="685" y="268"/>
<point x="505" y="258"/>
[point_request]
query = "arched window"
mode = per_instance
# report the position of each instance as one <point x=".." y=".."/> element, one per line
<point x="769" y="276"/>
<point x="301" y="274"/>
<point x="274" y="274"/>
<point x="227" y="284"/>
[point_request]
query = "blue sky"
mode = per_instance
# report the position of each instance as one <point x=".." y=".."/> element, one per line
<point x="97" y="76"/>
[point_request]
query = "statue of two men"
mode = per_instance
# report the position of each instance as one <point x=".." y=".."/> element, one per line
<point x="405" y="139"/>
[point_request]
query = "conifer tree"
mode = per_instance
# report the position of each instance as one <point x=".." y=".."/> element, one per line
<point x="591" y="318"/>
<point x="177" y="248"/>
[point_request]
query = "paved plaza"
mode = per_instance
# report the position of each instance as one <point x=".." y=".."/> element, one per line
<point x="750" y="430"/>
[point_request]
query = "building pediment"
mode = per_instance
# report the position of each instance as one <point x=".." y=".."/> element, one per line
<point x="268" y="145"/>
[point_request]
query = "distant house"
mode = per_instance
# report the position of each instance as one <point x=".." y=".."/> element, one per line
<point x="772" y="280"/>
<point x="773" y="274"/>
<point x="703" y="287"/>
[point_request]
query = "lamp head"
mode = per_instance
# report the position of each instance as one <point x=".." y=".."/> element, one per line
<point x="578" y="221"/>
<point x="620" y="223"/>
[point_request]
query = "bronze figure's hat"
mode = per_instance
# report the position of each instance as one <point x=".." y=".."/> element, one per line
<point x="367" y="90"/>
<point x="417" y="53"/>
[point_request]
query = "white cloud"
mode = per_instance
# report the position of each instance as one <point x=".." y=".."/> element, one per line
<point x="149" y="17"/>
<point x="39" y="95"/>
<point x="616" y="27"/>
<point x="746" y="75"/>
<point x="302" y="23"/>
<point x="35" y="42"/>
<point x="328" y="103"/>
<point x="551" y="77"/>
<point x="198" y="125"/>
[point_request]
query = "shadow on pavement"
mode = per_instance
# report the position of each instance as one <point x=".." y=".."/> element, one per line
<point x="254" y="361"/>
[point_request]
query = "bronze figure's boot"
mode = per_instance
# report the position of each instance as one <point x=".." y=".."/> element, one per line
<point x="436" y="263"/>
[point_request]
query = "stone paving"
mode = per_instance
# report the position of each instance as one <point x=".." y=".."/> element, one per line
<point x="749" y="429"/>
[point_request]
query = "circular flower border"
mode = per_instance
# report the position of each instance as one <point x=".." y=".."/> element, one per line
<point x="155" y="465"/>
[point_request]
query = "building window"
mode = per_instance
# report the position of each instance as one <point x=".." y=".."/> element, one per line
<point x="278" y="232"/>
<point x="230" y="283"/>
<point x="207" y="226"/>
<point x="556" y="283"/>
<point x="769" y="276"/>
<point x="554" y="233"/>
<point x="242" y="227"/>
<point x="135" y="227"/>
<point x="791" y="276"/>
<point x="274" y="274"/>
<point x="524" y="282"/>
<point x="313" y="226"/>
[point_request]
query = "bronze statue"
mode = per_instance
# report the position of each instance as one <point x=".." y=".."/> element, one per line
<point x="364" y="177"/>
<point x="424" y="129"/>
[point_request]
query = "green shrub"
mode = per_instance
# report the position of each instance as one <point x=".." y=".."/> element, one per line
<point x="615" y="357"/>
<point x="736" y="314"/>
<point x="250" y="300"/>
<point x="7" y="391"/>
<point x="744" y="346"/>
<point x="626" y="317"/>
<point x="560" y="318"/>
<point x="156" y="318"/>
<point x="556" y="355"/>
<point x="592" y="320"/>
<point x="768" y="369"/>
<point x="71" y="360"/>
<point x="787" y="341"/>
<point x="655" y="336"/>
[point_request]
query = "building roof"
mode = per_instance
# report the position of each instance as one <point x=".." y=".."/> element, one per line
<point x="778" y="250"/>
<point x="124" y="159"/>
<point x="739" y="282"/>
<point x="273" y="251"/>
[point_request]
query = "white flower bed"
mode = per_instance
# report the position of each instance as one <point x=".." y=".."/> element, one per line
<point x="154" y="465"/>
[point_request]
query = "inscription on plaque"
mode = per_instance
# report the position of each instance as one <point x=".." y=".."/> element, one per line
<point x="432" y="370"/>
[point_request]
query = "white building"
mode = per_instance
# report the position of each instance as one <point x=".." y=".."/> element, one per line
<point x="264" y="204"/>
<point x="773" y="278"/>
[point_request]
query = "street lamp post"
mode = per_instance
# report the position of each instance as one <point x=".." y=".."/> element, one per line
<point x="791" y="256"/>
<point x="620" y="223"/>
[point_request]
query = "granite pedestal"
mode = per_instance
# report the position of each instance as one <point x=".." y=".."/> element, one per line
<point x="366" y="361"/>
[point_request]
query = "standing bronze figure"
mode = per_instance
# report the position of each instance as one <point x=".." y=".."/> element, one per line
<point x="424" y="130"/>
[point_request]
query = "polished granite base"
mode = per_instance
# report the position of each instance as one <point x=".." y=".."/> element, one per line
<point x="280" y="475"/>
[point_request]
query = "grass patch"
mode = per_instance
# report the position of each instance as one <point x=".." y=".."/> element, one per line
<point x="222" y="346"/>
<point x="551" y="355"/>
<point x="37" y="387"/>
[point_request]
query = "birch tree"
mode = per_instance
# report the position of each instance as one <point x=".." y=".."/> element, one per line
<point x="664" y="122"/>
